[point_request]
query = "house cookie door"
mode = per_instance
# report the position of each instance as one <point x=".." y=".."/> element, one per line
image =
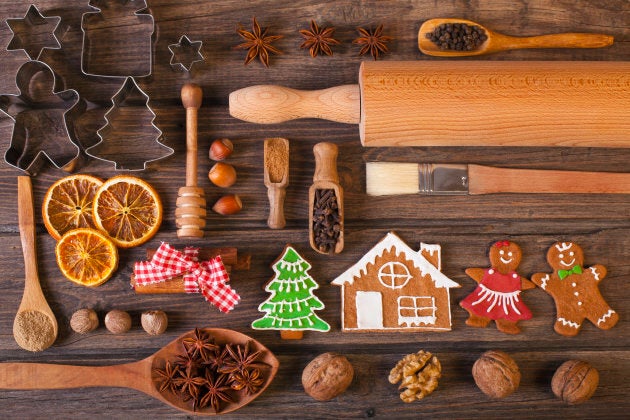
<point x="369" y="310"/>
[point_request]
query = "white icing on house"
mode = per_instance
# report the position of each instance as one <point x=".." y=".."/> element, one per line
<point x="432" y="249"/>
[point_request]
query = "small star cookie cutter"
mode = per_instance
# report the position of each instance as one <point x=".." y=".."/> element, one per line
<point x="185" y="53"/>
<point x="124" y="137"/>
<point x="43" y="116"/>
<point x="31" y="33"/>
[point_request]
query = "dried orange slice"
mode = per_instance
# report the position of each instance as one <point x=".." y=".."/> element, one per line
<point x="86" y="256"/>
<point x="127" y="209"/>
<point x="68" y="204"/>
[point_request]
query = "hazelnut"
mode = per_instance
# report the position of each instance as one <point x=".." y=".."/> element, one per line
<point x="496" y="374"/>
<point x="222" y="175"/>
<point x="575" y="382"/>
<point x="220" y="149"/>
<point x="154" y="322"/>
<point x="117" y="322"/>
<point x="84" y="320"/>
<point x="327" y="376"/>
<point x="228" y="204"/>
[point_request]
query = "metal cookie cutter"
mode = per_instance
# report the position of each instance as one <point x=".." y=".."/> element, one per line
<point x="185" y="53"/>
<point x="112" y="37"/>
<point x="33" y="33"/>
<point x="44" y="120"/>
<point x="125" y="138"/>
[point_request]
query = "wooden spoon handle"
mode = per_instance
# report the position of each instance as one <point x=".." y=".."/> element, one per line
<point x="268" y="104"/>
<point x="567" y="40"/>
<point x="26" y="223"/>
<point x="50" y="376"/>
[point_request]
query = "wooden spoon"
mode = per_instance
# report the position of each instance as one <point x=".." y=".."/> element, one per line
<point x="276" y="178"/>
<point x="137" y="375"/>
<point x="35" y="326"/>
<point x="499" y="42"/>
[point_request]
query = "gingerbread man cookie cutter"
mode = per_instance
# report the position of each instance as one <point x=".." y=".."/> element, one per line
<point x="32" y="33"/>
<point x="44" y="117"/>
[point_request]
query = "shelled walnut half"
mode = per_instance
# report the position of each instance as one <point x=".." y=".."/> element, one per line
<point x="419" y="373"/>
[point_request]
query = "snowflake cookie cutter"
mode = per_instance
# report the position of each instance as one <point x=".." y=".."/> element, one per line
<point x="44" y="115"/>
<point x="30" y="33"/>
<point x="123" y="137"/>
<point x="185" y="51"/>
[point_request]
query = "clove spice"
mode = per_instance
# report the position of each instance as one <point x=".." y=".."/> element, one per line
<point x="326" y="221"/>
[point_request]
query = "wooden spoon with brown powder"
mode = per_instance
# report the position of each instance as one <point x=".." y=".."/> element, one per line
<point x="276" y="157"/>
<point x="35" y="325"/>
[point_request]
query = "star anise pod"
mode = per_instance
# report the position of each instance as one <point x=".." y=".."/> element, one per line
<point x="168" y="376"/>
<point x="318" y="39"/>
<point x="258" y="43"/>
<point x="249" y="379"/>
<point x="241" y="358"/>
<point x="199" y="345"/>
<point x="187" y="361"/>
<point x="373" y="42"/>
<point x="218" y="359"/>
<point x="189" y="385"/>
<point x="216" y="392"/>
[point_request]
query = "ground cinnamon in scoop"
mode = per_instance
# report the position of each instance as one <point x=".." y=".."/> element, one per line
<point x="33" y="330"/>
<point x="277" y="160"/>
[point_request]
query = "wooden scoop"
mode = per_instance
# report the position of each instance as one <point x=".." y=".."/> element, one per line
<point x="325" y="178"/>
<point x="499" y="42"/>
<point x="35" y="326"/>
<point x="276" y="162"/>
<point x="137" y="375"/>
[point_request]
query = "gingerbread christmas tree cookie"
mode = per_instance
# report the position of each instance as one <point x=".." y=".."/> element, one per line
<point x="575" y="289"/>
<point x="497" y="297"/>
<point x="291" y="306"/>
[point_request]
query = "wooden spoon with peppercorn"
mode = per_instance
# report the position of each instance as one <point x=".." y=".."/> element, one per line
<point x="226" y="370"/>
<point x="461" y="37"/>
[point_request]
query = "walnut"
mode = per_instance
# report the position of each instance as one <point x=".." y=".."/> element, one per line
<point x="84" y="320"/>
<point x="117" y="322"/>
<point x="419" y="373"/>
<point x="154" y="322"/>
<point x="327" y="376"/>
<point x="575" y="382"/>
<point x="496" y="374"/>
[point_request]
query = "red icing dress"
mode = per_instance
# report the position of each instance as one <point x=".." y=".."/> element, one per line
<point x="497" y="297"/>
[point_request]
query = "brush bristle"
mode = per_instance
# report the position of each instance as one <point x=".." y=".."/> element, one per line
<point x="391" y="178"/>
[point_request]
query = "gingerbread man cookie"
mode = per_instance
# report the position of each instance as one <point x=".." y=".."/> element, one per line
<point x="575" y="290"/>
<point x="497" y="297"/>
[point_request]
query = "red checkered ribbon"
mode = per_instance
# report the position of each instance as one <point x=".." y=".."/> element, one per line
<point x="207" y="277"/>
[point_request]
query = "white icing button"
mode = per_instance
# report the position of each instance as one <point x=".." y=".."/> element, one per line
<point x="573" y="284"/>
<point x="491" y="271"/>
<point x="515" y="275"/>
<point x="576" y="294"/>
<point x="579" y="303"/>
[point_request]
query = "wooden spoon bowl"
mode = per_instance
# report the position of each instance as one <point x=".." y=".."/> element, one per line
<point x="138" y="375"/>
<point x="499" y="42"/>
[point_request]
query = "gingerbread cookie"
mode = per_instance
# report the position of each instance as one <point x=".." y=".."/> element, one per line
<point x="575" y="290"/>
<point x="497" y="297"/>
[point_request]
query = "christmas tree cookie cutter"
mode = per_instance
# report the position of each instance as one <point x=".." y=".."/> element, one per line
<point x="291" y="306"/>
<point x="185" y="53"/>
<point x="108" y="33"/>
<point x="125" y="135"/>
<point x="44" y="118"/>
<point x="33" y="33"/>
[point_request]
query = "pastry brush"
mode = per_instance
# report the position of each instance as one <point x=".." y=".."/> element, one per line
<point x="391" y="178"/>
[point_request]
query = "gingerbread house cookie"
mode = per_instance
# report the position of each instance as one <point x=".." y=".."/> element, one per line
<point x="394" y="288"/>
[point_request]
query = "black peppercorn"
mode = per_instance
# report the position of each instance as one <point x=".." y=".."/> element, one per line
<point x="457" y="36"/>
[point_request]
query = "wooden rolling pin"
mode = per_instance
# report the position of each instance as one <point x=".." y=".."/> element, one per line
<point x="464" y="103"/>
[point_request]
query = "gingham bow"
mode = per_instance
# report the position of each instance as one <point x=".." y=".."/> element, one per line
<point x="207" y="277"/>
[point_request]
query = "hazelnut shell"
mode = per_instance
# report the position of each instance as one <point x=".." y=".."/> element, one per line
<point x="117" y="321"/>
<point x="154" y="322"/>
<point x="327" y="376"/>
<point x="228" y="204"/>
<point x="222" y="175"/>
<point x="220" y="149"/>
<point x="84" y="320"/>
<point x="496" y="374"/>
<point x="575" y="382"/>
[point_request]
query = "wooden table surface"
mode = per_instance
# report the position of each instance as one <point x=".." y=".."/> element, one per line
<point x="464" y="226"/>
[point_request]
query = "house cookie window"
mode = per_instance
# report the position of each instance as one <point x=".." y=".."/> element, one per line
<point x="416" y="310"/>
<point x="394" y="275"/>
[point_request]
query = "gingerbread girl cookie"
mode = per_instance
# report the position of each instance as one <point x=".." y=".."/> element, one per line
<point x="575" y="290"/>
<point x="497" y="297"/>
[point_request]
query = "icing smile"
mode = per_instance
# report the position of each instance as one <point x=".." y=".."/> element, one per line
<point x="504" y="261"/>
<point x="568" y="264"/>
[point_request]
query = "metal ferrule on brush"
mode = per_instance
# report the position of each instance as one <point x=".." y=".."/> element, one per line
<point x="442" y="179"/>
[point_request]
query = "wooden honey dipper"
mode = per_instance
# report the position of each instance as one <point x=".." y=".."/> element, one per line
<point x="190" y="215"/>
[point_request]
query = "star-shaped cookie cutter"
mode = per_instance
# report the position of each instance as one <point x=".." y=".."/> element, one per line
<point x="185" y="51"/>
<point x="33" y="27"/>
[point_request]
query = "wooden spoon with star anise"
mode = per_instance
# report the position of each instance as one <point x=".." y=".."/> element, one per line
<point x="185" y="390"/>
